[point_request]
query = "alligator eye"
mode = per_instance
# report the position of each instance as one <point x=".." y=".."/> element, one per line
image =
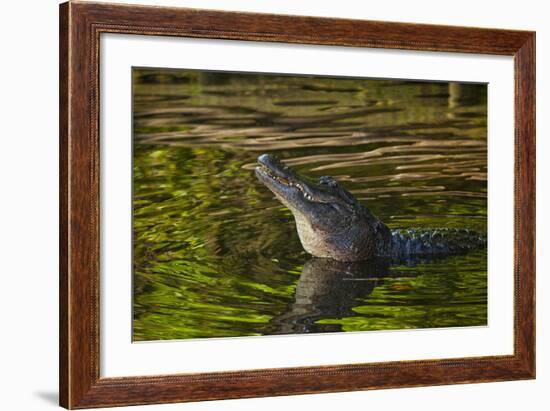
<point x="328" y="181"/>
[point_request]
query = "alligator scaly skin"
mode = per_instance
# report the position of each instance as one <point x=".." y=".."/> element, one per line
<point x="444" y="241"/>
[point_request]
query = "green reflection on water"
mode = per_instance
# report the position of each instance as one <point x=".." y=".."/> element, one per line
<point x="215" y="255"/>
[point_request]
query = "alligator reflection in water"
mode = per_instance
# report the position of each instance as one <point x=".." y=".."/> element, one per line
<point x="329" y="289"/>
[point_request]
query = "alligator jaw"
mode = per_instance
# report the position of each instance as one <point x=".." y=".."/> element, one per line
<point x="270" y="178"/>
<point x="281" y="180"/>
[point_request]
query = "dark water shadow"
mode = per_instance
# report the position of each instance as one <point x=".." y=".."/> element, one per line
<point x="51" y="397"/>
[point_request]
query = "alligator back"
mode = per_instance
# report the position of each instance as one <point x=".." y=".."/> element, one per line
<point x="443" y="241"/>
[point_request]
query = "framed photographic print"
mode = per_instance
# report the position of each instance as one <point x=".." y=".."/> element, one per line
<point x="257" y="205"/>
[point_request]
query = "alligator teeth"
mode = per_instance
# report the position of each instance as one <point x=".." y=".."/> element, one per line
<point x="287" y="182"/>
<point x="274" y="176"/>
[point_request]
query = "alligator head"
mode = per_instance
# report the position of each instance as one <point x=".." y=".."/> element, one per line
<point x="331" y="223"/>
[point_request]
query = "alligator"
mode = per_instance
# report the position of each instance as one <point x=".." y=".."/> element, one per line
<point x="331" y="223"/>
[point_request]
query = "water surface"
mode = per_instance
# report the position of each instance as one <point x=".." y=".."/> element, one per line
<point x="216" y="255"/>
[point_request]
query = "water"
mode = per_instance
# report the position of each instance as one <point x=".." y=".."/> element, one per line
<point x="216" y="255"/>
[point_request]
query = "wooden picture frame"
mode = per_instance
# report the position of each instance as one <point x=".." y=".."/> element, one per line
<point x="80" y="27"/>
